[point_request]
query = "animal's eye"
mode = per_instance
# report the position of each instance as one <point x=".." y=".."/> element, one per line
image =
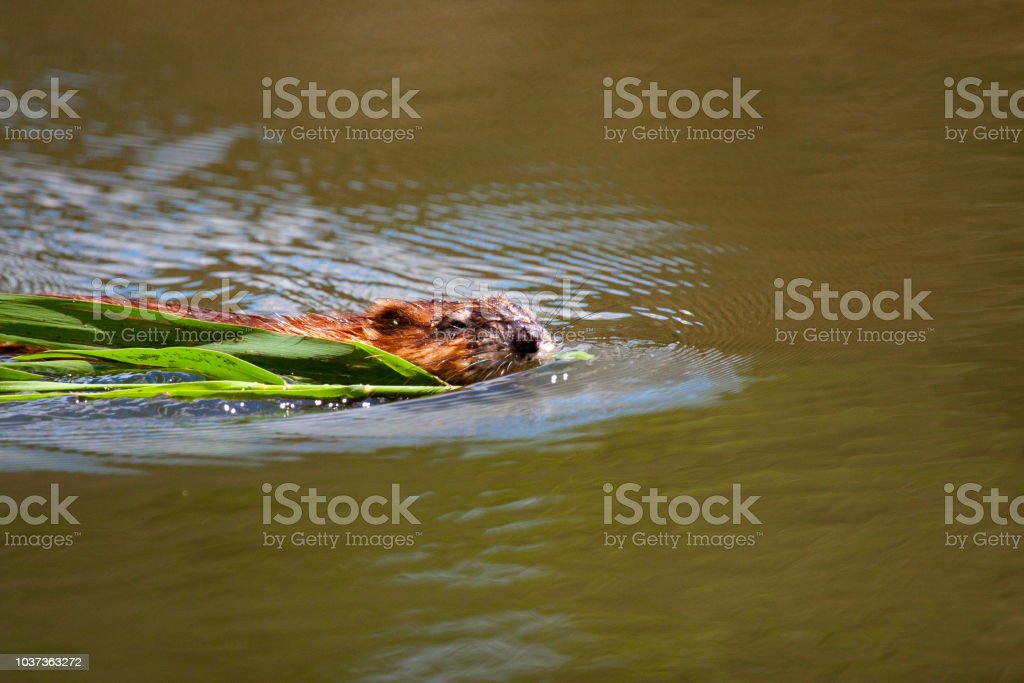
<point x="455" y="325"/>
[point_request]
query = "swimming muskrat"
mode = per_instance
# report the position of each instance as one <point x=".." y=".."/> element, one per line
<point x="459" y="341"/>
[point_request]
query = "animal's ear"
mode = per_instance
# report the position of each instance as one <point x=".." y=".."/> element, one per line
<point x="389" y="313"/>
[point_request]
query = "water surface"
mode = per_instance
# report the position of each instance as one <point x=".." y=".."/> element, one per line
<point x="671" y="252"/>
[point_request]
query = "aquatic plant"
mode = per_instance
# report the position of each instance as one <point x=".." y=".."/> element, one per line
<point x="89" y="338"/>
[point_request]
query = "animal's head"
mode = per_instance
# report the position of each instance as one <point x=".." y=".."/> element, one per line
<point x="462" y="341"/>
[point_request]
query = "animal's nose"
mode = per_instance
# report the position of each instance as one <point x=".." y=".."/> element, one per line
<point x="524" y="343"/>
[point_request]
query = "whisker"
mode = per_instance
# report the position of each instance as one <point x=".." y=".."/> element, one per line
<point x="579" y="319"/>
<point x="585" y="282"/>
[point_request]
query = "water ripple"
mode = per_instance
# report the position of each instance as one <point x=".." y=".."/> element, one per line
<point x="193" y="212"/>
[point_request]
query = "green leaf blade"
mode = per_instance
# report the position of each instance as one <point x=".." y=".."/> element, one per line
<point x="207" y="362"/>
<point x="221" y="389"/>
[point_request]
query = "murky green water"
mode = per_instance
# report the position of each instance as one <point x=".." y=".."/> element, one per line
<point x="671" y="251"/>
